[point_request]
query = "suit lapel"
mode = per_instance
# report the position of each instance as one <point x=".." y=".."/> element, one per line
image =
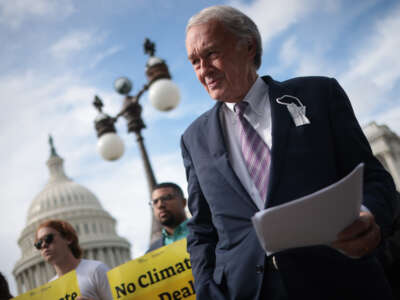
<point x="220" y="155"/>
<point x="281" y="123"/>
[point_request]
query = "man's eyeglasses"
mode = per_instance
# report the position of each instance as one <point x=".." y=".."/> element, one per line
<point x="162" y="199"/>
<point x="48" y="239"/>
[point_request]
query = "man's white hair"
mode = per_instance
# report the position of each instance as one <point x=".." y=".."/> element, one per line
<point x="234" y="20"/>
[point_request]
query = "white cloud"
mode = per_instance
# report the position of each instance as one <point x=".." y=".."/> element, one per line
<point x="370" y="75"/>
<point x="289" y="53"/>
<point x="122" y="188"/>
<point x="301" y="61"/>
<point x="377" y="57"/>
<point x="374" y="69"/>
<point x="102" y="55"/>
<point x="14" y="13"/>
<point x="75" y="42"/>
<point x="273" y="17"/>
<point x="390" y="117"/>
<point x="86" y="48"/>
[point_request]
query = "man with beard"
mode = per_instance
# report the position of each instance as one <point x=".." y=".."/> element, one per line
<point x="168" y="205"/>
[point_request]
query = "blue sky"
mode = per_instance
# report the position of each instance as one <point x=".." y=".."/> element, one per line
<point x="56" y="55"/>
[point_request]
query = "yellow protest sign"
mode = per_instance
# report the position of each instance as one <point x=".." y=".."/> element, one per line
<point x="64" y="288"/>
<point x="163" y="274"/>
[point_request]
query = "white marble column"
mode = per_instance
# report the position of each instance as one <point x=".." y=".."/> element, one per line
<point x="128" y="255"/>
<point x="39" y="277"/>
<point x="27" y="281"/>
<point x="117" y="256"/>
<point x="43" y="272"/>
<point x="24" y="280"/>
<point x="112" y="257"/>
<point x="46" y="272"/>
<point x="106" y="258"/>
<point x="29" y="274"/>
<point x="102" y="257"/>
<point x="88" y="254"/>
<point x="35" y="276"/>
<point x="91" y="253"/>
<point x="19" y="284"/>
<point x="50" y="270"/>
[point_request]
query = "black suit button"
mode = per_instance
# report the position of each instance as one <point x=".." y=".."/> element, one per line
<point x="259" y="269"/>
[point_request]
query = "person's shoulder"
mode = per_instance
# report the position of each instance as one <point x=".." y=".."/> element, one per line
<point x="199" y="122"/>
<point x="305" y="86"/>
<point x="300" y="81"/>
<point x="155" y="245"/>
<point x="93" y="265"/>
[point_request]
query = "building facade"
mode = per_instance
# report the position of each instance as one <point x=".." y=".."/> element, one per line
<point x="65" y="199"/>
<point x="385" y="145"/>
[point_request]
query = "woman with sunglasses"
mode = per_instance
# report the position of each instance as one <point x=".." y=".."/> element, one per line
<point x="58" y="244"/>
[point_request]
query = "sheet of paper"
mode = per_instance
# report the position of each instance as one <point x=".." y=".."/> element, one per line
<point x="315" y="219"/>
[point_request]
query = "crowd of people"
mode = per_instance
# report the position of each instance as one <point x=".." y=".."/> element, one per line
<point x="258" y="147"/>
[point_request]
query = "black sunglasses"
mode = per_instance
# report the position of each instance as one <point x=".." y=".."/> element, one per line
<point x="48" y="238"/>
<point x="162" y="199"/>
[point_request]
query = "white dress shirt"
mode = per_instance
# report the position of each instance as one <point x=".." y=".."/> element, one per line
<point x="258" y="113"/>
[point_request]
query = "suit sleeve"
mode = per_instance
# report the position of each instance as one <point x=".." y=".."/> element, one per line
<point x="202" y="238"/>
<point x="351" y="148"/>
<point x="155" y="245"/>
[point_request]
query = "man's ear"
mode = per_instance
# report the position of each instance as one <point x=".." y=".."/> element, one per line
<point x="252" y="46"/>
<point x="184" y="201"/>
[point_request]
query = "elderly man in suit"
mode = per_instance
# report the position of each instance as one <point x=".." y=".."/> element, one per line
<point x="251" y="152"/>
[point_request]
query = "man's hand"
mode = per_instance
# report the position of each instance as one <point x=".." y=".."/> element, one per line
<point x="360" y="238"/>
<point x="83" y="298"/>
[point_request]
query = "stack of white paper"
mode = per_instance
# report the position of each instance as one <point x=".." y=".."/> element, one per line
<point x="315" y="219"/>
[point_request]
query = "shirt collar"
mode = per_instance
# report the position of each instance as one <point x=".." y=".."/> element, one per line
<point x="177" y="230"/>
<point x="254" y="97"/>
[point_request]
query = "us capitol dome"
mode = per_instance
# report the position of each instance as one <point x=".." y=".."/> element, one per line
<point x="62" y="198"/>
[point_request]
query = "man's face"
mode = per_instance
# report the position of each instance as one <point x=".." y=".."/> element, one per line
<point x="223" y="64"/>
<point x="168" y="207"/>
<point x="57" y="249"/>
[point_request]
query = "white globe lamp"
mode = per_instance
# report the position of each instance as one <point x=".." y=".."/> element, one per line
<point x="164" y="94"/>
<point x="110" y="146"/>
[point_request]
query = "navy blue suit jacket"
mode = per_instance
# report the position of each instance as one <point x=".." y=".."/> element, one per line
<point x="156" y="244"/>
<point x="225" y="253"/>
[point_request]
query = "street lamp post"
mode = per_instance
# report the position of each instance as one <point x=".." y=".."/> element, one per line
<point x="163" y="94"/>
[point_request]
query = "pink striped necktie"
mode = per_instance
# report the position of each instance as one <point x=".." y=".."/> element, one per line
<point x="255" y="151"/>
